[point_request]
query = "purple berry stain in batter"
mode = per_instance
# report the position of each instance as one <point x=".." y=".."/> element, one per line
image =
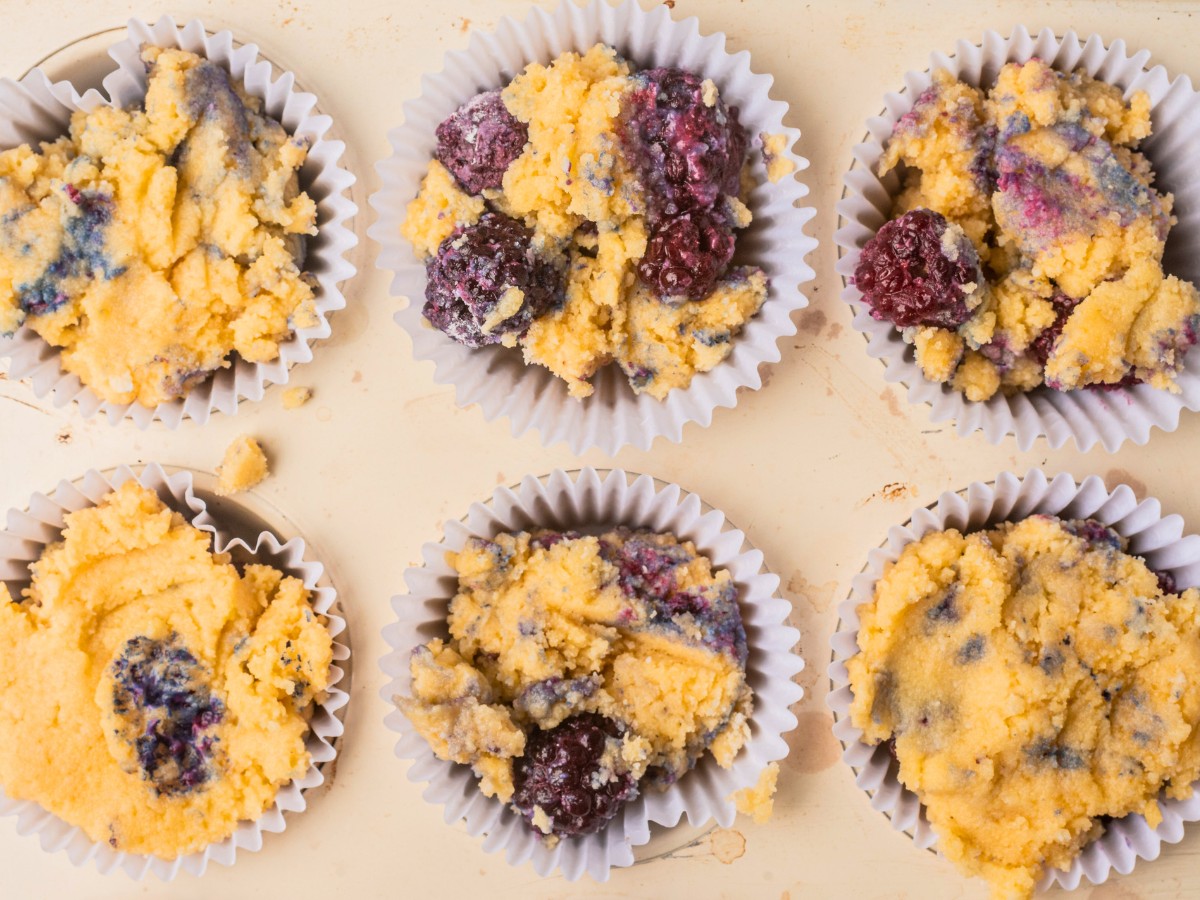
<point x="81" y="255"/>
<point x="649" y="572"/>
<point x="161" y="696"/>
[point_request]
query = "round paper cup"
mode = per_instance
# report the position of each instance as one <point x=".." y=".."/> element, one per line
<point x="23" y="541"/>
<point x="1157" y="538"/>
<point x="496" y="378"/>
<point x="35" y="109"/>
<point x="591" y="500"/>
<point x="1088" y="417"/>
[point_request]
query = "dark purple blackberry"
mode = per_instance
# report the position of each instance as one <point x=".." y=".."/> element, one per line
<point x="686" y="254"/>
<point x="1043" y="345"/>
<point x="1166" y="582"/>
<point x="686" y="152"/>
<point x="560" y="776"/>
<point x="907" y="279"/>
<point x="473" y="270"/>
<point x="480" y="141"/>
<point x="167" y="712"/>
<point x="544" y="540"/>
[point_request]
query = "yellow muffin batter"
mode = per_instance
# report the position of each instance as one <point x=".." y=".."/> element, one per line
<point x="180" y="689"/>
<point x="633" y="626"/>
<point x="152" y="244"/>
<point x="758" y="800"/>
<point x="1035" y="678"/>
<point x="296" y="397"/>
<point x="663" y="346"/>
<point x="243" y="466"/>
<point x="1041" y="173"/>
<point x="587" y="210"/>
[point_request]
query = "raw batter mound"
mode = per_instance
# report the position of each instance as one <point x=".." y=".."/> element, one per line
<point x="628" y="185"/>
<point x="580" y="669"/>
<point x="1035" y="679"/>
<point x="1042" y="175"/>
<point x="152" y="244"/>
<point x="180" y="693"/>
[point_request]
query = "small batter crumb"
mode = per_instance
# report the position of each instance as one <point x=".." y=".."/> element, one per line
<point x="244" y="466"/>
<point x="758" y="801"/>
<point x="778" y="165"/>
<point x="296" y="397"/>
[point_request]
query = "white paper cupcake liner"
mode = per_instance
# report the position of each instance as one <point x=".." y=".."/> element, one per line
<point x="36" y="108"/>
<point x="23" y="541"/>
<point x="496" y="378"/>
<point x="1086" y="416"/>
<point x="1157" y="538"/>
<point x="591" y="499"/>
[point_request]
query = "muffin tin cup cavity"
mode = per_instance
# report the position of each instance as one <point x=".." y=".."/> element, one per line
<point x="590" y="501"/>
<point x="1157" y="538"/>
<point x="530" y="396"/>
<point x="1088" y="417"/>
<point x="24" y="539"/>
<point x="36" y="109"/>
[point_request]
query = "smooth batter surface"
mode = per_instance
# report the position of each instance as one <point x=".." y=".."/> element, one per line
<point x="180" y="692"/>
<point x="587" y="208"/>
<point x="152" y="244"/>
<point x="546" y="626"/>
<point x="1042" y="174"/>
<point x="1035" y="679"/>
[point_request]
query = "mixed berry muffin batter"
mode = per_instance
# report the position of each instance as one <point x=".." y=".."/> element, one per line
<point x="580" y="670"/>
<point x="1035" y="680"/>
<point x="173" y="690"/>
<point x="1027" y="242"/>
<point x="588" y="213"/>
<point x="151" y="244"/>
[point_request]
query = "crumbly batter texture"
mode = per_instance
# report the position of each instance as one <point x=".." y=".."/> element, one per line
<point x="1035" y="679"/>
<point x="181" y="688"/>
<point x="586" y="190"/>
<point x="758" y="800"/>
<point x="774" y="147"/>
<point x="1043" y="174"/>
<point x="633" y="628"/>
<point x="152" y="244"/>
<point x="296" y="397"/>
<point x="244" y="466"/>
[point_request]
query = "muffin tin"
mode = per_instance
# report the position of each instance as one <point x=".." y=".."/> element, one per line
<point x="815" y="467"/>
